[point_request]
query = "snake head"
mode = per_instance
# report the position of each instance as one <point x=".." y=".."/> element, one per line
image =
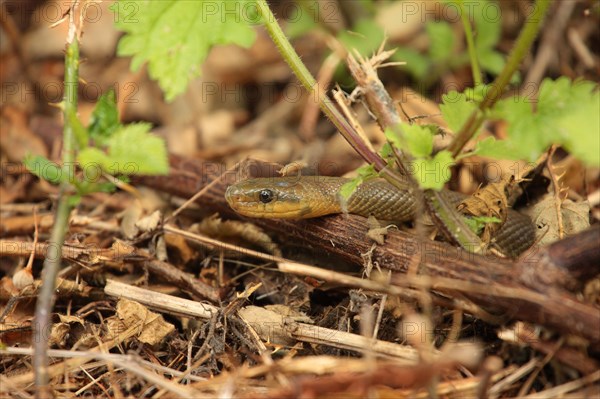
<point x="268" y="198"/>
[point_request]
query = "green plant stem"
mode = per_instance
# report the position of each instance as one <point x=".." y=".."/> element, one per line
<point x="52" y="262"/>
<point x="308" y="81"/>
<point x="518" y="52"/>
<point x="470" y="45"/>
<point x="465" y="239"/>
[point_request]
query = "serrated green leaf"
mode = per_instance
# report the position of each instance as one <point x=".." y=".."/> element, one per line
<point x="580" y="129"/>
<point x="419" y="140"/>
<point x="441" y="40"/>
<point x="456" y="109"/>
<point x="133" y="145"/>
<point x="92" y="159"/>
<point x="105" y="118"/>
<point x="174" y="37"/>
<point x="490" y="147"/>
<point x="45" y="169"/>
<point x="131" y="150"/>
<point x="433" y="173"/>
<point x="491" y="61"/>
<point x="566" y="114"/>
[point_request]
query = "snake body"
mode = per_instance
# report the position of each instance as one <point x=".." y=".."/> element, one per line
<point x="313" y="196"/>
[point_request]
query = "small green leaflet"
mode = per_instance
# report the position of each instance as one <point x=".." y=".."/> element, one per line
<point x="477" y="223"/>
<point x="105" y="118"/>
<point x="131" y="150"/>
<point x="174" y="37"/>
<point x="566" y="114"/>
<point x="364" y="172"/>
<point x="45" y="169"/>
<point x="441" y="40"/>
<point x="456" y="109"/>
<point x="433" y="173"/>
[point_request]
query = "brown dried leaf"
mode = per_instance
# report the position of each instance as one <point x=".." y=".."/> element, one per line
<point x="153" y="328"/>
<point x="150" y="222"/>
<point x="131" y="216"/>
<point x="575" y="218"/>
<point x="235" y="231"/>
<point x="489" y="201"/>
<point x="59" y="335"/>
<point x="269" y="325"/>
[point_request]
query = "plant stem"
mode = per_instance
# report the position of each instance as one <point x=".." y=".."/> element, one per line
<point x="521" y="48"/>
<point x="453" y="226"/>
<point x="470" y="45"/>
<point x="45" y="300"/>
<point x="308" y="81"/>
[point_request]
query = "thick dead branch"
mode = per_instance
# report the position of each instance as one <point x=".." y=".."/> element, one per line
<point x="344" y="238"/>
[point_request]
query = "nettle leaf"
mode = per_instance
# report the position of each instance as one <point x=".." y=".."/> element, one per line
<point x="566" y="113"/>
<point x="45" y="169"/>
<point x="174" y="37"/>
<point x="490" y="147"/>
<point x="441" y="40"/>
<point x="105" y="118"/>
<point x="580" y="127"/>
<point x="433" y="173"/>
<point x="456" y="109"/>
<point x="419" y="140"/>
<point x="131" y="150"/>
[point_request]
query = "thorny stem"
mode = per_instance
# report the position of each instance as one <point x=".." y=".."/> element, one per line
<point x="45" y="300"/>
<point x="308" y="81"/>
<point x="518" y="52"/>
<point x="462" y="236"/>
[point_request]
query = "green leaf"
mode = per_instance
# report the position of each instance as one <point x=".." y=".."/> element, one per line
<point x="366" y="36"/>
<point x="441" y="40"/>
<point x="477" y="223"/>
<point x="490" y="147"/>
<point x="456" y="109"/>
<point x="131" y="150"/>
<point x="364" y="173"/>
<point x="488" y="24"/>
<point x="81" y="134"/>
<point x="174" y="37"/>
<point x="580" y="127"/>
<point x="105" y="118"/>
<point x="45" y="169"/>
<point x="419" y="140"/>
<point x="416" y="64"/>
<point x="566" y="114"/>
<point x="302" y="21"/>
<point x="433" y="173"/>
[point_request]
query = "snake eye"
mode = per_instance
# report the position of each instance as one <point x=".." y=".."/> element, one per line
<point x="265" y="196"/>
